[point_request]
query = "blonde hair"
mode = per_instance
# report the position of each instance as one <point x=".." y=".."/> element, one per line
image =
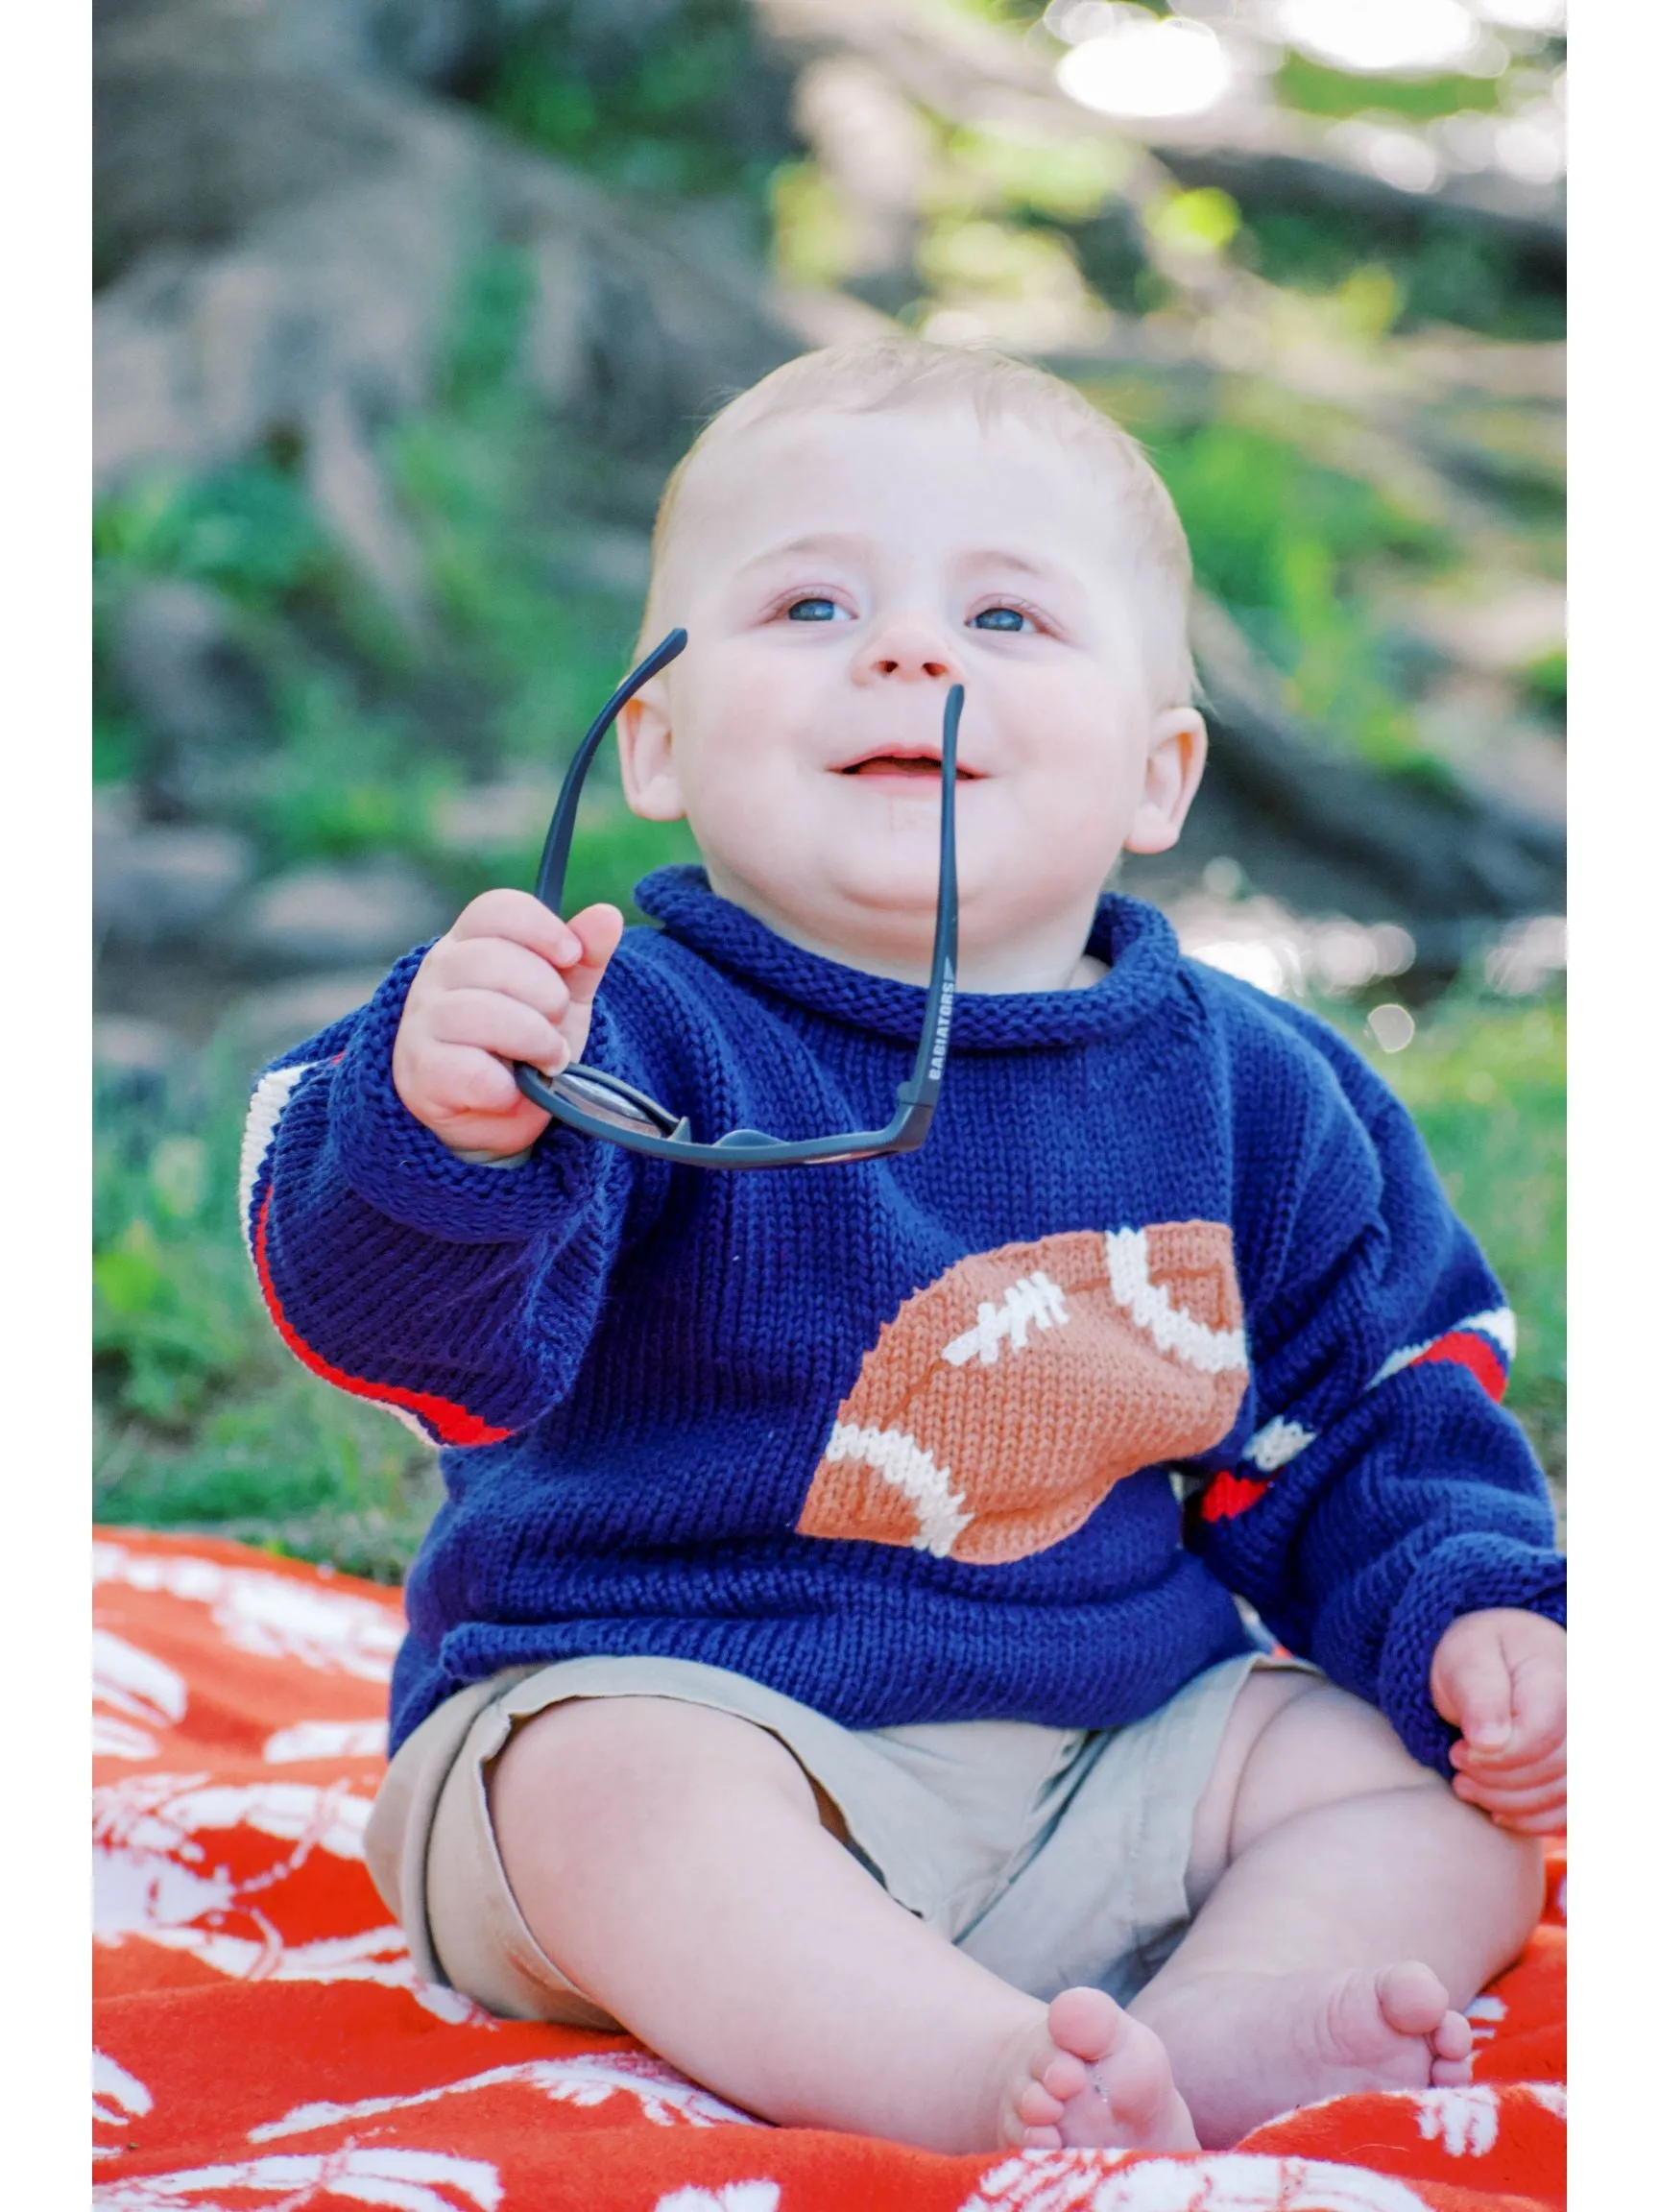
<point x="893" y="372"/>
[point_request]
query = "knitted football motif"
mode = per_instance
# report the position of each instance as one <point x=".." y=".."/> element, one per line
<point x="1003" y="1401"/>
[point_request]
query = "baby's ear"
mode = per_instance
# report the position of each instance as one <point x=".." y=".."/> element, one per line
<point x="646" y="746"/>
<point x="1175" y="754"/>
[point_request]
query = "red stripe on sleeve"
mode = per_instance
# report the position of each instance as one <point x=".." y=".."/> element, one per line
<point x="1229" y="1494"/>
<point x="452" y="1423"/>
<point x="1468" y="1348"/>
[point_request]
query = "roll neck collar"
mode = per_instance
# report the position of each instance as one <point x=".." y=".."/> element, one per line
<point x="1133" y="939"/>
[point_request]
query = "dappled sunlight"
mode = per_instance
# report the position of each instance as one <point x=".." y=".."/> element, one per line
<point x="1141" y="66"/>
<point x="1365" y="34"/>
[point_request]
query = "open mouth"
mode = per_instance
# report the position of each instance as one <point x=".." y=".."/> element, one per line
<point x="911" y="764"/>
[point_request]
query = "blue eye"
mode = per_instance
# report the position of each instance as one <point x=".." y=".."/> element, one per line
<point x="1005" y="619"/>
<point x="813" y="611"/>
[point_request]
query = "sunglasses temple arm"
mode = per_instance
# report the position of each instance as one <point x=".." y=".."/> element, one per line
<point x="556" y="851"/>
<point x="923" y="1089"/>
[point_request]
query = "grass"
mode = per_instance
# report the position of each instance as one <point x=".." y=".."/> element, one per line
<point x="1487" y="1083"/>
<point x="204" y="1421"/>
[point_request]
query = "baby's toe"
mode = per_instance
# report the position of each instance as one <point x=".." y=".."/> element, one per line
<point x="1037" y="2107"/>
<point x="1451" y="2072"/>
<point x="1086" y="2022"/>
<point x="1064" y="2076"/>
<point x="1041" y="2139"/>
<point x="1413" y="1998"/>
<point x="1453" y="2038"/>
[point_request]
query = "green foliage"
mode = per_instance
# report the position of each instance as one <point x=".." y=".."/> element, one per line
<point x="202" y="1415"/>
<point x="487" y="330"/>
<point x="1204" y="221"/>
<point x="1018" y="172"/>
<point x="1317" y="90"/>
<point x="666" y="114"/>
<point x="1546" y="683"/>
<point x="811" y="237"/>
<point x="1285" y="542"/>
<point x="1443" y="270"/>
<point x="347" y="780"/>
<point x="248" y="529"/>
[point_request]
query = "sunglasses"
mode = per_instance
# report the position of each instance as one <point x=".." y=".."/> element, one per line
<point x="603" y="1106"/>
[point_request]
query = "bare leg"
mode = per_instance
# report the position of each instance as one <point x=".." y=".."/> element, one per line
<point x="1350" y="1907"/>
<point x="672" y="1859"/>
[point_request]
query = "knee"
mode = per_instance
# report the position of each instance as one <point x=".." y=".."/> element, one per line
<point x="1317" y="1746"/>
<point x="1308" y="1746"/>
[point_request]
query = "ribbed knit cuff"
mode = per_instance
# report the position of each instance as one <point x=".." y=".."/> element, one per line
<point x="396" y="1165"/>
<point x="1469" y="1573"/>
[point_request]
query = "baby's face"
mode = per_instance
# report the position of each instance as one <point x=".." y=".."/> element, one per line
<point x="836" y="574"/>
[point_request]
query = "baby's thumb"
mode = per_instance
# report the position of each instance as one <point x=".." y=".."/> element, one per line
<point x="600" y="930"/>
<point x="1474" y="1694"/>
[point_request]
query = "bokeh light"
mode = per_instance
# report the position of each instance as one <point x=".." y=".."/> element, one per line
<point x="1141" y="65"/>
<point x="1382" y="34"/>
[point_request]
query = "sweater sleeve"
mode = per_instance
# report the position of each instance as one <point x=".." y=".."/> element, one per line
<point x="459" y="1296"/>
<point x="1383" y="1492"/>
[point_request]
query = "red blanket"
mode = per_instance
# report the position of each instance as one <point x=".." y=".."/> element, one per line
<point x="263" y="2041"/>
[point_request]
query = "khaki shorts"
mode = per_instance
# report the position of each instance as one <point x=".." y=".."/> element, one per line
<point x="1053" y="1855"/>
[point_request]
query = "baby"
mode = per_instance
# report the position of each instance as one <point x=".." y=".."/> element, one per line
<point x="826" y="1664"/>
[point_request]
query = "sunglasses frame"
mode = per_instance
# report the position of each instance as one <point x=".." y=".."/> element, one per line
<point x="562" y="1095"/>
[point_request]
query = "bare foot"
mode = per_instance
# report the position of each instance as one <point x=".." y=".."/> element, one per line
<point x="1091" y="2074"/>
<point x="1247" y="2045"/>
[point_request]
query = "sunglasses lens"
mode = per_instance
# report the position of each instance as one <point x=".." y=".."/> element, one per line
<point x="607" y="1105"/>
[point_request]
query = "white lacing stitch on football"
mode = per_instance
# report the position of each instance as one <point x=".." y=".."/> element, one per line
<point x="941" y="1511"/>
<point x="265" y="1109"/>
<point x="1277" y="1443"/>
<point x="1498" y="1323"/>
<point x="1171" y="1328"/>
<point x="1034" y="1301"/>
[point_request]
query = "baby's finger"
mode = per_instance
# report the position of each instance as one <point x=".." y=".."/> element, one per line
<point x="491" y="1023"/>
<point x="458" y="1079"/>
<point x="1514" y="1773"/>
<point x="1552" y="1821"/>
<point x="1495" y="1799"/>
<point x="600" y="932"/>
<point x="522" y="920"/>
<point x="496" y="964"/>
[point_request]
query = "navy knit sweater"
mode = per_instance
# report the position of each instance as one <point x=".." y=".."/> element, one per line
<point x="1168" y="1305"/>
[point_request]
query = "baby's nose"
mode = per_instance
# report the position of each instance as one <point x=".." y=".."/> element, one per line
<point x="911" y="651"/>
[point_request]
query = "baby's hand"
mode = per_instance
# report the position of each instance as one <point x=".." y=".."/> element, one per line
<point x="1500" y="1676"/>
<point x="511" y="981"/>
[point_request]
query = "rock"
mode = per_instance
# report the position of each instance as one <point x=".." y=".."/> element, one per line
<point x="135" y="1057"/>
<point x="495" y="817"/>
<point x="356" y="503"/>
<point x="164" y="885"/>
<point x="284" y="1015"/>
<point x="286" y="243"/>
<point x="1326" y="834"/>
<point x="615" y="560"/>
<point x="336" y="917"/>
